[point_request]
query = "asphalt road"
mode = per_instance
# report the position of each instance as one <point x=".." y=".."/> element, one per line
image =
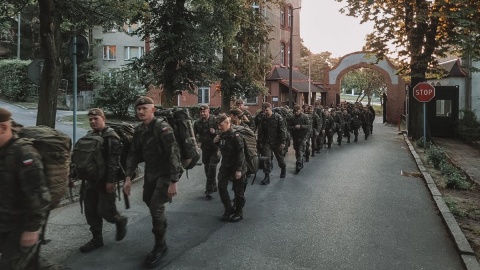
<point x="29" y="118"/>
<point x="349" y="208"/>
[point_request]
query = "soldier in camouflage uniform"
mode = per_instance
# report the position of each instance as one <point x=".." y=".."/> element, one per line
<point x="246" y="118"/>
<point x="232" y="168"/>
<point x="347" y="128"/>
<point x="99" y="197"/>
<point x="356" y="122"/>
<point x="205" y="130"/>
<point x="321" y="132"/>
<point x="24" y="201"/>
<point x="329" y="128"/>
<point x="236" y="116"/>
<point x="366" y="117"/>
<point x="314" y="133"/>
<point x="340" y="124"/>
<point x="299" y="126"/>
<point x="272" y="135"/>
<point x="154" y="143"/>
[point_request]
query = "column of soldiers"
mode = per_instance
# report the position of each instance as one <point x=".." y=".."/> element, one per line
<point x="309" y="128"/>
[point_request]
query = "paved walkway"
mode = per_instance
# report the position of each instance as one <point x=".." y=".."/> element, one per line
<point x="464" y="155"/>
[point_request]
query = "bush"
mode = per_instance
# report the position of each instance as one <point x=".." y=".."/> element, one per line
<point x="117" y="92"/>
<point x="435" y="155"/>
<point x="419" y="143"/>
<point x="455" y="178"/>
<point x="14" y="84"/>
<point x="468" y="126"/>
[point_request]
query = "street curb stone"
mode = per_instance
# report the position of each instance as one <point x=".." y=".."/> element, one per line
<point x="464" y="248"/>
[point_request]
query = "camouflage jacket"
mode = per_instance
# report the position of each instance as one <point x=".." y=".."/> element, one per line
<point x="24" y="195"/>
<point x="251" y="122"/>
<point x="303" y="132"/>
<point x="272" y="130"/>
<point x="232" y="149"/>
<point x="204" y="136"/>
<point x="155" y="145"/>
<point x="329" y="123"/>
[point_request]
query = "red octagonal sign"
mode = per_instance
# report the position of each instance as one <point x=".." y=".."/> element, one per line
<point x="424" y="92"/>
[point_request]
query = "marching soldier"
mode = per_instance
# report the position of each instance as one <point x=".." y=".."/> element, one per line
<point x="205" y="130"/>
<point x="272" y="135"/>
<point x="356" y="122"/>
<point x="321" y="133"/>
<point x="232" y="167"/>
<point x="299" y="126"/>
<point x="366" y="121"/>
<point x="346" y="119"/>
<point x="329" y="128"/>
<point x="246" y="117"/>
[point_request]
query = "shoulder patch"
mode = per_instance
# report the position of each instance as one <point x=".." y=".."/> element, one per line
<point x="27" y="162"/>
<point x="237" y="134"/>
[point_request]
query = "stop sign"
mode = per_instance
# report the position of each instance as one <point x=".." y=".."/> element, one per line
<point x="424" y="92"/>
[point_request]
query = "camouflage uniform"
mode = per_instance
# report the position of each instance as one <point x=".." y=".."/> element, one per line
<point x="271" y="134"/>
<point x="321" y="129"/>
<point x="210" y="151"/>
<point x="161" y="155"/>
<point x="340" y="123"/>
<point x="347" y="130"/>
<point x="233" y="159"/>
<point x="356" y="123"/>
<point x="299" y="136"/>
<point x="366" y="117"/>
<point x="329" y="130"/>
<point x="316" y="124"/>
<point x="99" y="204"/>
<point x="24" y="201"/>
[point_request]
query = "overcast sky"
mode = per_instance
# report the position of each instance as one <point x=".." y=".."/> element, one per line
<point x="324" y="28"/>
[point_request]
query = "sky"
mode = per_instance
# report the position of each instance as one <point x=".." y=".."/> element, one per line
<point x="324" y="28"/>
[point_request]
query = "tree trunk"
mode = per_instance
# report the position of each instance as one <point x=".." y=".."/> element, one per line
<point x="52" y="65"/>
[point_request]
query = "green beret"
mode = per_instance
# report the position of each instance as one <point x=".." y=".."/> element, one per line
<point x="143" y="101"/>
<point x="4" y="115"/>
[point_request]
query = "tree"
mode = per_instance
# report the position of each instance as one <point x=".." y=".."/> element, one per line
<point x="317" y="63"/>
<point x="418" y="31"/>
<point x="55" y="16"/>
<point x="365" y="82"/>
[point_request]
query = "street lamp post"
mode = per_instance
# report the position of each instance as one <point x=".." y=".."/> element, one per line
<point x="290" y="61"/>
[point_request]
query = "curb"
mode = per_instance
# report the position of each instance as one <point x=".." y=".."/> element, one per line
<point x="464" y="248"/>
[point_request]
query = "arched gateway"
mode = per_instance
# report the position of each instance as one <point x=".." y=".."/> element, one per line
<point x="395" y="84"/>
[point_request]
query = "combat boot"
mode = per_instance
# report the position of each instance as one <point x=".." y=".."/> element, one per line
<point x="154" y="257"/>
<point x="283" y="172"/>
<point x="121" y="229"/>
<point x="96" y="242"/>
<point x="238" y="214"/>
<point x="298" y="167"/>
<point x="307" y="158"/>
<point x="226" y="214"/>
<point x="266" y="180"/>
<point x="348" y="141"/>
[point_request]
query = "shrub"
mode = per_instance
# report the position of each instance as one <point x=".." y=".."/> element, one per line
<point x="117" y="91"/>
<point x="468" y="126"/>
<point x="419" y="143"/>
<point x="435" y="155"/>
<point x="14" y="84"/>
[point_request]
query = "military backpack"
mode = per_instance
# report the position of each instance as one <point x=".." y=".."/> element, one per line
<point x="125" y="132"/>
<point x="250" y="148"/>
<point x="181" y="122"/>
<point x="54" y="147"/>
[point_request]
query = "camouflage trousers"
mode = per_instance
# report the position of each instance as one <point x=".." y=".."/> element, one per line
<point x="210" y="160"/>
<point x="225" y="175"/>
<point x="299" y="146"/>
<point x="155" y="195"/>
<point x="266" y="150"/>
<point x="100" y="205"/>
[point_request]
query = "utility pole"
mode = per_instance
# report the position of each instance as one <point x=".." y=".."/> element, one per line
<point x="290" y="61"/>
<point x="18" y="37"/>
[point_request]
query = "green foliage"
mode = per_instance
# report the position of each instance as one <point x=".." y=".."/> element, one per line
<point x="317" y="62"/>
<point x="435" y="155"/>
<point x="117" y="92"/>
<point x="14" y="84"/>
<point x="468" y="126"/>
<point x="365" y="82"/>
<point x="419" y="143"/>
<point x="453" y="207"/>
<point x="455" y="178"/>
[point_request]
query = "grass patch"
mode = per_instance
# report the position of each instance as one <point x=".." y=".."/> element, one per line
<point x="82" y="120"/>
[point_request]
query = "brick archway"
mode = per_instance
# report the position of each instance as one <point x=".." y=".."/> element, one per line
<point x="356" y="60"/>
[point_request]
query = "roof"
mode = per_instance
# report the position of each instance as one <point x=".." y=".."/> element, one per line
<point x="453" y="68"/>
<point x="300" y="82"/>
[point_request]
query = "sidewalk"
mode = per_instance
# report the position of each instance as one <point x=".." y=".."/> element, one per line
<point x="463" y="155"/>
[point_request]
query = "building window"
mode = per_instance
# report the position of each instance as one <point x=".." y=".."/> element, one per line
<point x="290" y="17"/>
<point x="251" y="101"/>
<point x="282" y="16"/>
<point x="282" y="54"/>
<point x="203" y="95"/>
<point x="288" y="56"/>
<point x="109" y="52"/>
<point x="132" y="52"/>
<point x="444" y="108"/>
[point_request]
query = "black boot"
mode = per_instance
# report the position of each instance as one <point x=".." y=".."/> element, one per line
<point x="307" y="158"/>
<point x="121" y="229"/>
<point x="155" y="256"/>
<point x="348" y="141"/>
<point x="96" y="242"/>
<point x="266" y="180"/>
<point x="283" y="172"/>
<point x="356" y="139"/>
<point x="298" y="167"/>
<point x="238" y="214"/>
<point x="227" y="214"/>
